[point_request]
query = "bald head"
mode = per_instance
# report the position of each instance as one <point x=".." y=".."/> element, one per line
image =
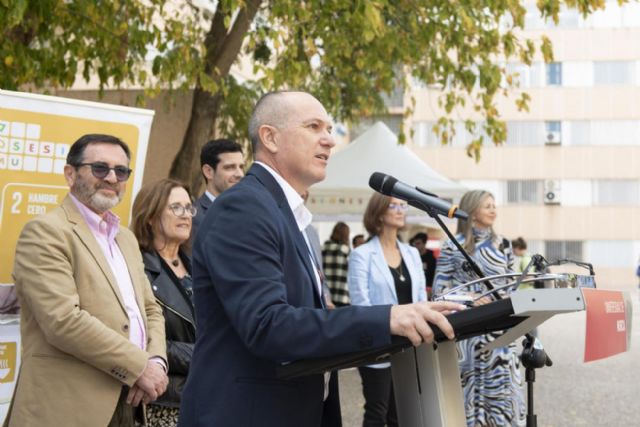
<point x="291" y="133"/>
<point x="274" y="109"/>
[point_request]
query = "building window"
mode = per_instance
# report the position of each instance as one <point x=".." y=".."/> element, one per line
<point x="613" y="72"/>
<point x="554" y="74"/>
<point x="569" y="18"/>
<point x="580" y="132"/>
<point x="395" y="99"/>
<point x="463" y="137"/>
<point x="553" y="126"/>
<point x="605" y="132"/>
<point x="563" y="249"/>
<point x="520" y="74"/>
<point x="615" y="132"/>
<point x="392" y="121"/>
<point x="616" y="192"/>
<point x="528" y="191"/>
<point x="423" y="135"/>
<point x="525" y="133"/>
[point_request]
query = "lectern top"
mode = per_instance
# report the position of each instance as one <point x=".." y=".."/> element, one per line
<point x="518" y="314"/>
<point x="495" y="316"/>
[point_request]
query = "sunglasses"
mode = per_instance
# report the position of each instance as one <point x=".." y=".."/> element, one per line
<point x="400" y="207"/>
<point x="101" y="170"/>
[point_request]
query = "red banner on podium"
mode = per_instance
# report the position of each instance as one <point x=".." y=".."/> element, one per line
<point x="606" y="332"/>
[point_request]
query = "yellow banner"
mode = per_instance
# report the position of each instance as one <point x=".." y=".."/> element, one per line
<point x="33" y="151"/>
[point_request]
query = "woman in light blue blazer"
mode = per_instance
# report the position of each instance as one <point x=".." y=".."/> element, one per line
<point x="383" y="271"/>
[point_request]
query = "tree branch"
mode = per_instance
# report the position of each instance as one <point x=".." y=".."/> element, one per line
<point x="221" y="53"/>
<point x="215" y="37"/>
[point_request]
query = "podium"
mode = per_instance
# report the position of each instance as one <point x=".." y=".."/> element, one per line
<point x="427" y="378"/>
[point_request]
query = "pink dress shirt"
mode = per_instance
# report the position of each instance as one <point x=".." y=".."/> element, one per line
<point x="105" y="230"/>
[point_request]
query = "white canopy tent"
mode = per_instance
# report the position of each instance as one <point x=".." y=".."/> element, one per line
<point x="344" y="194"/>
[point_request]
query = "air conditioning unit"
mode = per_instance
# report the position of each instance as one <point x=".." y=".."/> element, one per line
<point x="553" y="138"/>
<point x="552" y="192"/>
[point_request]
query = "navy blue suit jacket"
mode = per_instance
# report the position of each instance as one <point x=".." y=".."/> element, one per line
<point x="257" y="306"/>
<point x="202" y="205"/>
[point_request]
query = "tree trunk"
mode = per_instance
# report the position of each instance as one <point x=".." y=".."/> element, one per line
<point x="186" y="165"/>
<point x="222" y="49"/>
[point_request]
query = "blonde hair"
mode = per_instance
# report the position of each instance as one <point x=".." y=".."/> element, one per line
<point x="470" y="202"/>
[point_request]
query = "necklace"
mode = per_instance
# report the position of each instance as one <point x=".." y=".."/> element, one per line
<point x="174" y="262"/>
<point x="400" y="271"/>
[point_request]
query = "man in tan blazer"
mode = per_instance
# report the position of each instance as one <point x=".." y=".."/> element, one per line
<point x="93" y="344"/>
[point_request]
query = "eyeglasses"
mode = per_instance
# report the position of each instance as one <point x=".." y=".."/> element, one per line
<point x="180" y="210"/>
<point x="400" y="207"/>
<point x="101" y="170"/>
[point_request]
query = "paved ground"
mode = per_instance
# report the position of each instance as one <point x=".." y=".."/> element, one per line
<point x="568" y="394"/>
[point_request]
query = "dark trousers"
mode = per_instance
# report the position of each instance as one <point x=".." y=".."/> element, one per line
<point x="331" y="413"/>
<point x="379" y="401"/>
<point x="125" y="414"/>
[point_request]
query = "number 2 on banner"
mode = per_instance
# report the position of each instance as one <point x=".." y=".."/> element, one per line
<point x="17" y="199"/>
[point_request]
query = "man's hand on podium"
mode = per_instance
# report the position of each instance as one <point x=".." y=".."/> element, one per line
<point x="481" y="301"/>
<point x="410" y="320"/>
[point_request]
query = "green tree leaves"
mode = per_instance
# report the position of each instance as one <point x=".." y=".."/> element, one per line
<point x="51" y="43"/>
<point x="349" y="54"/>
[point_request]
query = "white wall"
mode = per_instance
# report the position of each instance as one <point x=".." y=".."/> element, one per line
<point x="577" y="73"/>
<point x="611" y="253"/>
<point x="495" y="187"/>
<point x="576" y="192"/>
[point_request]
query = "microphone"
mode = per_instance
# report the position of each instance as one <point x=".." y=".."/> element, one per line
<point x="415" y="196"/>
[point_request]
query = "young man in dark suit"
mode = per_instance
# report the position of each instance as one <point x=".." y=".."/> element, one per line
<point x="222" y="165"/>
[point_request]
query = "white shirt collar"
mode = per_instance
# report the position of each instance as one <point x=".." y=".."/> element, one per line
<point x="296" y="203"/>
<point x="209" y="195"/>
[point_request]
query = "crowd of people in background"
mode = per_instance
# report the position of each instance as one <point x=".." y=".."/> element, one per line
<point x="121" y="322"/>
<point x="335" y="255"/>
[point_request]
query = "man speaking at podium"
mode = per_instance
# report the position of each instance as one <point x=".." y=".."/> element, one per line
<point x="258" y="294"/>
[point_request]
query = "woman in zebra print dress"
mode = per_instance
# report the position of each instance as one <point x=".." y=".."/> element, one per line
<point x="491" y="380"/>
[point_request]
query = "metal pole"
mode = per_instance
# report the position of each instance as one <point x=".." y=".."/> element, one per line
<point x="532" y="419"/>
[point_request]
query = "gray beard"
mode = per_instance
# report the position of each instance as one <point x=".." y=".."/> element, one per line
<point x="101" y="203"/>
<point x="94" y="200"/>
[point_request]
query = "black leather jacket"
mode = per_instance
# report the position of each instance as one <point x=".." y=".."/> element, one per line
<point x="179" y="323"/>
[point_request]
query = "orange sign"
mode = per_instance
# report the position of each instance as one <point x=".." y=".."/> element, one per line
<point x="606" y="332"/>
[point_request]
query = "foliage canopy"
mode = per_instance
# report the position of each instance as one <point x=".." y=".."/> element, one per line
<point x="347" y="53"/>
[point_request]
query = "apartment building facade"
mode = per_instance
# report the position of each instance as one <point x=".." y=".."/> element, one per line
<point x="567" y="178"/>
